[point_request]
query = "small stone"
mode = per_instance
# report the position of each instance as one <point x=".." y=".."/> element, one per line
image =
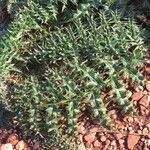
<point x="80" y="147"/>
<point x="107" y="142"/>
<point x="141" y="127"/>
<point x="128" y="94"/>
<point x="113" y="143"/>
<point x="142" y="139"/>
<point x="21" y="145"/>
<point x="130" y="128"/>
<point x="113" y="114"/>
<point x="131" y="131"/>
<point x="120" y="126"/>
<point x="94" y="129"/>
<point x="96" y="143"/>
<point x="144" y="101"/>
<point x="88" y="145"/>
<point x="132" y="140"/>
<point x="148" y="87"/>
<point x="80" y="136"/>
<point x="139" y="88"/>
<point x="121" y="141"/>
<point x="13" y="139"/>
<point x="89" y="138"/>
<point x="7" y="146"/>
<point x="137" y="95"/>
<point x="81" y="129"/>
<point x="136" y="119"/>
<point x="125" y="128"/>
<point x="103" y="138"/>
<point x="122" y="131"/>
<point x="145" y="131"/>
<point x="147" y="112"/>
<point x="130" y="119"/>
<point x="139" y="132"/>
<point x="147" y="69"/>
<point x="148" y="142"/>
<point x="148" y="126"/>
<point x="148" y="135"/>
<point x="119" y="136"/>
<point x="135" y="103"/>
<point x="125" y="119"/>
<point x="145" y="92"/>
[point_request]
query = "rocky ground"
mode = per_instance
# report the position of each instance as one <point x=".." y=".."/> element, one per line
<point x="131" y="132"/>
<point x="11" y="140"/>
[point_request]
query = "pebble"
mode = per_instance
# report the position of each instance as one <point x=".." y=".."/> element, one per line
<point x="103" y="138"/>
<point x="128" y="94"/>
<point x="130" y="128"/>
<point x="137" y="95"/>
<point x="96" y="143"/>
<point x="141" y="125"/>
<point x="7" y="146"/>
<point x="144" y="101"/>
<point x="107" y="142"/>
<point x="135" y="103"/>
<point x="121" y="141"/>
<point x="94" y="129"/>
<point x="88" y="145"/>
<point x="21" y="145"/>
<point x="145" y="131"/>
<point x="130" y="119"/>
<point x="89" y="138"/>
<point x="119" y="136"/>
<point x="145" y="92"/>
<point x="148" y="87"/>
<point x="139" y="132"/>
<point x="131" y="132"/>
<point x="136" y="119"/>
<point x="148" y="142"/>
<point x="148" y="126"/>
<point x="139" y="88"/>
<point x="80" y="136"/>
<point x="142" y="139"/>
<point x="147" y="112"/>
<point x="81" y="129"/>
<point x="113" y="143"/>
<point x="113" y="114"/>
<point x="13" y="139"/>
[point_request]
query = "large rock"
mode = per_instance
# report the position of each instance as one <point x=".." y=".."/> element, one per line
<point x="132" y="140"/>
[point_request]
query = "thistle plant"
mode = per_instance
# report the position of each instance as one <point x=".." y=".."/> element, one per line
<point x="81" y="60"/>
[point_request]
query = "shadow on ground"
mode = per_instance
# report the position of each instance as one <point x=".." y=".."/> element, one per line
<point x="6" y="117"/>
